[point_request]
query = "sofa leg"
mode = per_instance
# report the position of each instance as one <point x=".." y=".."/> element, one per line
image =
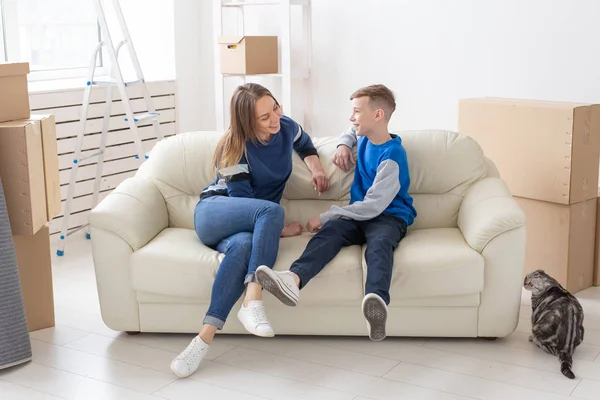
<point x="133" y="332"/>
<point x="491" y="339"/>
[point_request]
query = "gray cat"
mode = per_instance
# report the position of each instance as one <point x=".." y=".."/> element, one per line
<point x="556" y="319"/>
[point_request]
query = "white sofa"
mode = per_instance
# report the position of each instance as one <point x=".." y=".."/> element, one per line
<point x="458" y="272"/>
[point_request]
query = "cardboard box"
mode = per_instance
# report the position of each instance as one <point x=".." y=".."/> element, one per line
<point x="51" y="173"/>
<point x="35" y="272"/>
<point x="561" y="240"/>
<point x="245" y="55"/>
<point x="14" y="94"/>
<point x="22" y="172"/>
<point x="543" y="150"/>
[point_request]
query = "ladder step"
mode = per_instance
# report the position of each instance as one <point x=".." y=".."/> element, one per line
<point x="112" y="82"/>
<point x="144" y="117"/>
<point x="88" y="156"/>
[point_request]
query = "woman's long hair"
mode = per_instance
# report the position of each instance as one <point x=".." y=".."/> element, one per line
<point x="242" y="128"/>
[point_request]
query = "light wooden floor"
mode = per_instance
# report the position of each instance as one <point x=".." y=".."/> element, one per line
<point x="82" y="359"/>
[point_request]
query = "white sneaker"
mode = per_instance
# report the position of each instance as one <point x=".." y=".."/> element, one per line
<point x="281" y="284"/>
<point x="255" y="319"/>
<point x="375" y="311"/>
<point x="189" y="360"/>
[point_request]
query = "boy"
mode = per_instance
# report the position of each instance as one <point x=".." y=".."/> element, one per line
<point x="379" y="212"/>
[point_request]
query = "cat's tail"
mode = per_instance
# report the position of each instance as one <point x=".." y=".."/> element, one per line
<point x="566" y="361"/>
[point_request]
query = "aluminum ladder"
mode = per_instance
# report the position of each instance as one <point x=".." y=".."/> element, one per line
<point x="115" y="79"/>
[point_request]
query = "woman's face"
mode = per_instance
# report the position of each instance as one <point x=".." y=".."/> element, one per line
<point x="268" y="114"/>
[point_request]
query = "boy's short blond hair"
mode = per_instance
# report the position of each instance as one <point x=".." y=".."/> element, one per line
<point x="379" y="97"/>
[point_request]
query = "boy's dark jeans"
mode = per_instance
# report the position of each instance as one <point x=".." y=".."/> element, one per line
<point x="381" y="234"/>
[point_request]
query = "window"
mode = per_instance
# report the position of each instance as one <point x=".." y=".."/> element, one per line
<point x="56" y="37"/>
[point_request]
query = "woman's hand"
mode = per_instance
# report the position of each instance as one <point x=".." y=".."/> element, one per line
<point x="293" y="229"/>
<point x="320" y="182"/>
<point x="343" y="158"/>
<point x="314" y="224"/>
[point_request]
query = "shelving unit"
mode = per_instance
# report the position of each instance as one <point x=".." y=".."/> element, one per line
<point x="290" y="70"/>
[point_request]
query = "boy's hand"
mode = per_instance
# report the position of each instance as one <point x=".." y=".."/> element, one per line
<point x="314" y="224"/>
<point x="343" y="157"/>
<point x="320" y="182"/>
<point x="293" y="229"/>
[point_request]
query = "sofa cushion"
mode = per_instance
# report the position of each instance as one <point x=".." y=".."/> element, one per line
<point x="429" y="263"/>
<point x="442" y="161"/>
<point x="180" y="168"/>
<point x="339" y="283"/>
<point x="299" y="186"/>
<point x="176" y="263"/>
<point x="434" y="263"/>
<point x="443" y="164"/>
<point x="303" y="210"/>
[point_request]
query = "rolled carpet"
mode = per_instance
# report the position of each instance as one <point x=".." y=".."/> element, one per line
<point x="15" y="345"/>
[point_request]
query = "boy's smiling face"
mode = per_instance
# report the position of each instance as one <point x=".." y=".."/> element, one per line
<point x="364" y="117"/>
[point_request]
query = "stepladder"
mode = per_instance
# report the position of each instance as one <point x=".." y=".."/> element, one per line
<point x="114" y="81"/>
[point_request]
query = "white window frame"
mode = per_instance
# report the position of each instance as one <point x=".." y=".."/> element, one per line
<point x="9" y="46"/>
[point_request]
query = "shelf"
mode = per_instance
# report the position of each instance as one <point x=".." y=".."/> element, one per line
<point x="303" y="75"/>
<point x="292" y="73"/>
<point x="242" y="75"/>
<point x="263" y="3"/>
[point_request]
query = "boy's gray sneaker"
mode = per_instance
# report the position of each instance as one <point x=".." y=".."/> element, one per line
<point x="281" y="284"/>
<point x="375" y="312"/>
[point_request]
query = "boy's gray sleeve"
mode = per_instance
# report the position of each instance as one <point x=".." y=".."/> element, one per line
<point x="379" y="196"/>
<point x="348" y="138"/>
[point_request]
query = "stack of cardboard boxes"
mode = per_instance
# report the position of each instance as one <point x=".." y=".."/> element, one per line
<point x="548" y="153"/>
<point x="29" y="173"/>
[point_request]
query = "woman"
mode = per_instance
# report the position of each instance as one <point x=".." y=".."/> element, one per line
<point x="239" y="214"/>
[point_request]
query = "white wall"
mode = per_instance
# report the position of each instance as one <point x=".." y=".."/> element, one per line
<point x="194" y="65"/>
<point x="430" y="52"/>
<point x="151" y="26"/>
<point x="433" y="52"/>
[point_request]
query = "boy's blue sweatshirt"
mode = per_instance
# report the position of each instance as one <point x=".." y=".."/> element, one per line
<point x="381" y="181"/>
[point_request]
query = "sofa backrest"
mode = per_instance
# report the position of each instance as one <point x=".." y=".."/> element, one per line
<point x="442" y="166"/>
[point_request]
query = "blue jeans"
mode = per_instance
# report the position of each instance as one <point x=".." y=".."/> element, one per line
<point x="247" y="231"/>
<point x="382" y="235"/>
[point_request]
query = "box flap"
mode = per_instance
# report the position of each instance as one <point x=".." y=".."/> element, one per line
<point x="528" y="102"/>
<point x="230" y="39"/>
<point x="38" y="117"/>
<point x="9" y="69"/>
<point x="19" y="123"/>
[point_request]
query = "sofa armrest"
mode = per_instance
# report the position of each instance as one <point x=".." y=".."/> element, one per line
<point x="135" y="211"/>
<point x="487" y="211"/>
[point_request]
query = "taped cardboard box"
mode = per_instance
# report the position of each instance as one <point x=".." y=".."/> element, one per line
<point x="543" y="150"/>
<point x="561" y="240"/>
<point x="35" y="273"/>
<point x="22" y="172"/>
<point x="245" y="55"/>
<point x="14" y="94"/>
